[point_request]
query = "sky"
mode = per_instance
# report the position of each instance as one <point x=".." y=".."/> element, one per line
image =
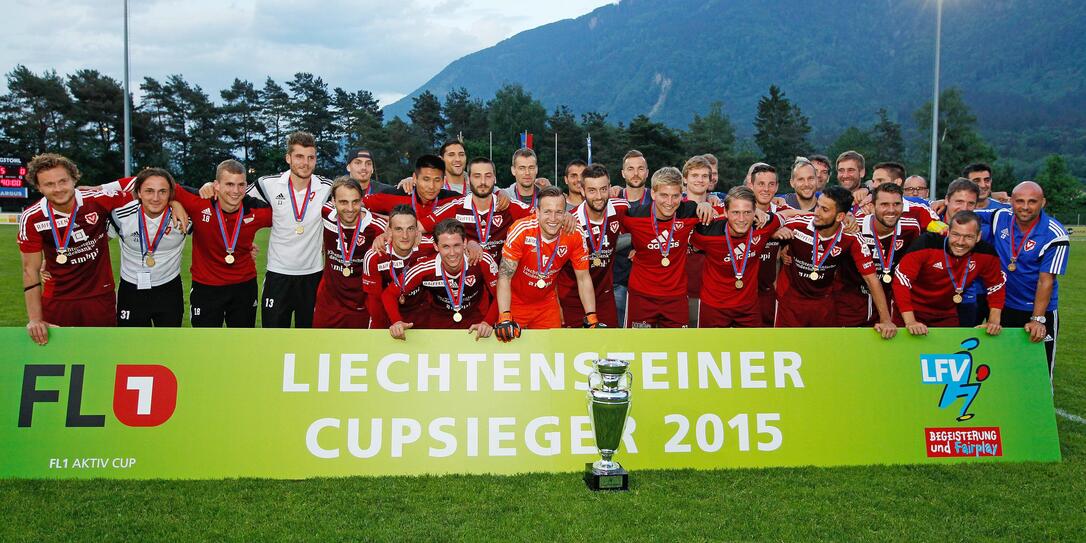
<point x="387" y="47"/>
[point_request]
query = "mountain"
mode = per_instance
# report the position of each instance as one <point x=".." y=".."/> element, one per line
<point x="1018" y="63"/>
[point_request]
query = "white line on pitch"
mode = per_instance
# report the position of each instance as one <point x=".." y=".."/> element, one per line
<point x="1070" y="416"/>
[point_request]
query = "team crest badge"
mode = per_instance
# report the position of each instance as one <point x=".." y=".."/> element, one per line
<point x="562" y="250"/>
<point x="836" y="251"/>
<point x="498" y="221"/>
<point x="614" y="227"/>
<point x="92" y="217"/>
<point x="470" y="280"/>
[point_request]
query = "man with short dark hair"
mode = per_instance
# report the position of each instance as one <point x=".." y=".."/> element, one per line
<point x="383" y="269"/>
<point x="456" y="159"/>
<point x="822" y="169"/>
<point x="361" y="168"/>
<point x="426" y="191"/>
<point x="635" y="174"/>
<point x="887" y="233"/>
<point x="575" y="187"/>
<point x="525" y="169"/>
<point x="981" y="174"/>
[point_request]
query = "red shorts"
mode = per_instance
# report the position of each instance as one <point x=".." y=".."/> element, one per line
<point x="97" y="311"/>
<point x="644" y="311"/>
<point x="538" y="316"/>
<point x="799" y="312"/>
<point x="854" y="308"/>
<point x="767" y="301"/>
<point x="324" y="317"/>
<point x="715" y="317"/>
<point x="606" y="311"/>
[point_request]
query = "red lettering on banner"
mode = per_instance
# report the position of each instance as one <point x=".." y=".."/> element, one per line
<point x="963" y="442"/>
<point x="144" y="395"/>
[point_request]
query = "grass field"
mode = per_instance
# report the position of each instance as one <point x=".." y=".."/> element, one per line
<point x="910" y="503"/>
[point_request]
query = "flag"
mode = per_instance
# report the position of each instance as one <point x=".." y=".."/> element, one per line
<point x="588" y="140"/>
<point x="526" y="140"/>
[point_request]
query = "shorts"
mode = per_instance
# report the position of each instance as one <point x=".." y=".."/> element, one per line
<point x="163" y="305"/>
<point x="538" y="316"/>
<point x="854" y="308"/>
<point x="715" y="317"/>
<point x="335" y="318"/>
<point x="606" y="311"/>
<point x="285" y="296"/>
<point x="644" y="311"/>
<point x="800" y="312"/>
<point x="767" y="303"/>
<point x="97" y="311"/>
<point x="211" y="306"/>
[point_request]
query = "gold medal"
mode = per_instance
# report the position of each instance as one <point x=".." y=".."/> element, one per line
<point x="150" y="261"/>
<point x="957" y="298"/>
<point x="814" y="276"/>
<point x="886" y="278"/>
<point x="738" y="283"/>
<point x="665" y="261"/>
<point x="229" y="258"/>
<point x="541" y="284"/>
<point x="401" y="299"/>
<point x="597" y="263"/>
<point x="61" y="258"/>
<point x="457" y="317"/>
<point x="299" y="230"/>
<point x="346" y="271"/>
<point x="1012" y="266"/>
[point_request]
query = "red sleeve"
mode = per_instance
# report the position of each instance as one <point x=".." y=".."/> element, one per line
<point x="376" y="308"/>
<point x="379" y="203"/>
<point x="428" y="221"/>
<point x="371" y="277"/>
<point x="188" y="200"/>
<point x="907" y="271"/>
<point x="263" y="217"/>
<point x="113" y="200"/>
<point x="29" y="239"/>
<point x="771" y="226"/>
<point x="860" y="256"/>
<point x="390" y="299"/>
<point x="994" y="280"/>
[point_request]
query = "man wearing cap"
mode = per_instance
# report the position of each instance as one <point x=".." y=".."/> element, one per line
<point x="360" y="167"/>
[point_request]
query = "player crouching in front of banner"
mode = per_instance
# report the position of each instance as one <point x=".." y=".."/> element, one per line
<point x="932" y="277"/>
<point x="67" y="230"/>
<point x="349" y="230"/>
<point x="387" y="267"/>
<point x="534" y="253"/>
<point x="460" y="293"/>
<point x="150" y="293"/>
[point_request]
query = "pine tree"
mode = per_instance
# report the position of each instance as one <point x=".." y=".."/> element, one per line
<point x="781" y="129"/>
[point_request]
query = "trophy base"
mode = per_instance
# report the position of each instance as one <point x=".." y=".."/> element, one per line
<point x="606" y="480"/>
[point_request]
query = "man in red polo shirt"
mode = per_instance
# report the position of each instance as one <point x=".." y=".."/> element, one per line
<point x="426" y="192"/>
<point x="67" y="229"/>
<point x="382" y="269"/>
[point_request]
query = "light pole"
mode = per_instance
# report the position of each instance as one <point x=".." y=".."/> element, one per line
<point x="935" y="101"/>
<point x="127" y="107"/>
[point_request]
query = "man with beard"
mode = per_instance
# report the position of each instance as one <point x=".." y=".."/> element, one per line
<point x="349" y="230"/>
<point x="729" y="292"/>
<point x="887" y="234"/>
<point x="931" y="278"/>
<point x="425" y="194"/>
<point x="461" y="294"/>
<point x="635" y="172"/>
<point x="818" y="247"/>
<point x="597" y="217"/>
<point x="531" y="262"/>
<point x="525" y="187"/>
<point x="382" y="269"/>
<point x="456" y="158"/>
<point x="850" y="170"/>
<point x="804" y="182"/>
<point x="822" y="168"/>
<point x="66" y="230"/>
<point x="360" y="167"/>
<point x="574" y="179"/>
<point x="1033" y="248"/>
<point x="479" y="211"/>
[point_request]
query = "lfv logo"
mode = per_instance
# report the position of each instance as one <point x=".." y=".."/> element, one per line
<point x="143" y="394"/>
<point x="955" y="373"/>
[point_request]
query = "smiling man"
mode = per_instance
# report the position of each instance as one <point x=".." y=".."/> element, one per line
<point x="456" y="159"/>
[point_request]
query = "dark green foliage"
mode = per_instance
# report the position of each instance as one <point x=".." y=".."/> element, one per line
<point x="781" y="129"/>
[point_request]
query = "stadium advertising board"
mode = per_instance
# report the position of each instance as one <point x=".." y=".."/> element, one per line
<point x="138" y="403"/>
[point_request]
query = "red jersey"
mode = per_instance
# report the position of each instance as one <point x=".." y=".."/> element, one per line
<point x="379" y="271"/>
<point x="653" y="239"/>
<point x="87" y="270"/>
<point x="475" y="301"/>
<point x="601" y="248"/>
<point x="718" y="288"/>
<point x="209" y="266"/>
<point x="490" y="234"/>
<point x="767" y="272"/>
<point x="797" y="281"/>
<point x="905" y="233"/>
<point x="383" y="202"/>
<point x="922" y="282"/>
<point x="344" y="292"/>
<point x="537" y="263"/>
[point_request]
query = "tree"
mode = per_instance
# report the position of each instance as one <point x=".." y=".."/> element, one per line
<point x="781" y="129"/>
<point x="713" y="133"/>
<point x="959" y="142"/>
<point x="465" y="116"/>
<point x="609" y="143"/>
<point x="243" y="126"/>
<point x="98" y="115"/>
<point x="661" y="145"/>
<point x="311" y="111"/>
<point x="405" y="141"/>
<point x="36" y="114"/>
<point x="426" y="119"/>
<point x="571" y="139"/>
<point x="360" y="122"/>
<point x="510" y="112"/>
<point x="1062" y="191"/>
<point x="887" y="143"/>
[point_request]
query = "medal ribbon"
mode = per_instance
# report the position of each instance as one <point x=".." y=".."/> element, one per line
<point x="344" y="251"/>
<point x="544" y="272"/>
<point x="484" y="236"/>
<point x="230" y="245"/>
<point x="958" y="288"/>
<point x="815" y="261"/>
<point x="665" y="249"/>
<point x="454" y="300"/>
<point x="746" y="252"/>
<point x="886" y="264"/>
<point x="644" y="197"/>
<point x="146" y="245"/>
<point x="61" y="246"/>
<point x="299" y="215"/>
<point x="1015" y="251"/>
<point x="396" y="280"/>
<point x="593" y="243"/>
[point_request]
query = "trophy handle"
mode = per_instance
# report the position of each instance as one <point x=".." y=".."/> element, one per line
<point x="599" y="378"/>
<point x="629" y="379"/>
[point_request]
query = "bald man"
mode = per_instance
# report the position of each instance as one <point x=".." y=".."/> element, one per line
<point x="1033" y="248"/>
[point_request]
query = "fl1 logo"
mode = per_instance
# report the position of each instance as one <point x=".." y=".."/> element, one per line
<point x="143" y="395"/>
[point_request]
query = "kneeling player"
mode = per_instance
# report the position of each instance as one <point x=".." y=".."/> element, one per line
<point x="534" y="253"/>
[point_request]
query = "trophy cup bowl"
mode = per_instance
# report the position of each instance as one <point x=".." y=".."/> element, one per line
<point x="608" y="407"/>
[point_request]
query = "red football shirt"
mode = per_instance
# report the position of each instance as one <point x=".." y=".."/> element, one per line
<point x="377" y="275"/>
<point x="209" y="265"/>
<point x="337" y="290"/>
<point x="383" y="202"/>
<point x="648" y="275"/>
<point x="490" y="234"/>
<point x="88" y="271"/>
<point x="923" y="284"/>
<point x="475" y="301"/>
<point x="601" y="250"/>
<point x="796" y="280"/>
<point x="719" y="271"/>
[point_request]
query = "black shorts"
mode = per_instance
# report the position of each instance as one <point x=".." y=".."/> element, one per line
<point x="163" y="305"/>
<point x="287" y="295"/>
<point x="233" y="304"/>
<point x="1015" y="318"/>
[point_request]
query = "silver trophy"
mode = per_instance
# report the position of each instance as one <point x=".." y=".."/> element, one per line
<point x="608" y="406"/>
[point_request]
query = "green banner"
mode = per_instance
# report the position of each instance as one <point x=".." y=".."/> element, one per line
<point x="142" y="403"/>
